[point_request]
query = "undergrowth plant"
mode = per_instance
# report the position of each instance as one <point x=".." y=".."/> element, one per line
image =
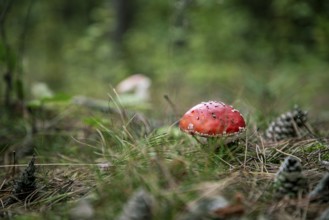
<point x="113" y="163"/>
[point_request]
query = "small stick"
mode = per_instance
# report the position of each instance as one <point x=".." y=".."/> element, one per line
<point x="197" y="139"/>
<point x="14" y="163"/>
<point x="172" y="105"/>
<point x="316" y="137"/>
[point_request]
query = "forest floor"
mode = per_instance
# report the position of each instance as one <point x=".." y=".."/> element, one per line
<point x="88" y="165"/>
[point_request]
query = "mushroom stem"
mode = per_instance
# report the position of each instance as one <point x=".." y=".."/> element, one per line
<point x="214" y="142"/>
<point x="222" y="147"/>
<point x="197" y="139"/>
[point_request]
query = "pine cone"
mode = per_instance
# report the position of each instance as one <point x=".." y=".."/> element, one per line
<point x="290" y="180"/>
<point x="321" y="192"/>
<point x="324" y="215"/>
<point x="204" y="208"/>
<point x="138" y="207"/>
<point x="26" y="184"/>
<point x="287" y="125"/>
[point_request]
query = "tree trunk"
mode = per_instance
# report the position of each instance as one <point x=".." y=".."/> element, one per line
<point x="125" y="11"/>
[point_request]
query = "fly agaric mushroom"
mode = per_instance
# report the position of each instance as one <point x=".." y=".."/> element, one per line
<point x="212" y="119"/>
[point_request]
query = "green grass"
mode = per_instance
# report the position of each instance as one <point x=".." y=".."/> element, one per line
<point x="171" y="166"/>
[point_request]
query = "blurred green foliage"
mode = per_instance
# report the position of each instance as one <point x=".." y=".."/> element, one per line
<point x="266" y="53"/>
<point x="261" y="56"/>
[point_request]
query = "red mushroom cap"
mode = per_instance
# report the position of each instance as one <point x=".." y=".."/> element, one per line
<point x="212" y="119"/>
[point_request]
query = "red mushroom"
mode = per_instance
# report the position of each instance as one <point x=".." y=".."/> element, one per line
<point x="212" y="119"/>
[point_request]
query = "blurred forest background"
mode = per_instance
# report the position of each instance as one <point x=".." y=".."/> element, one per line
<point x="266" y="54"/>
<point x="261" y="56"/>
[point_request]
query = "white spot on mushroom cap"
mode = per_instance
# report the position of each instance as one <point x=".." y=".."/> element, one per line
<point x="214" y="102"/>
<point x="234" y="110"/>
<point x="190" y="126"/>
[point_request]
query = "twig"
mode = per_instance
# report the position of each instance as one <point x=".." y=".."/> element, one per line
<point x="52" y="164"/>
<point x="172" y="105"/>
